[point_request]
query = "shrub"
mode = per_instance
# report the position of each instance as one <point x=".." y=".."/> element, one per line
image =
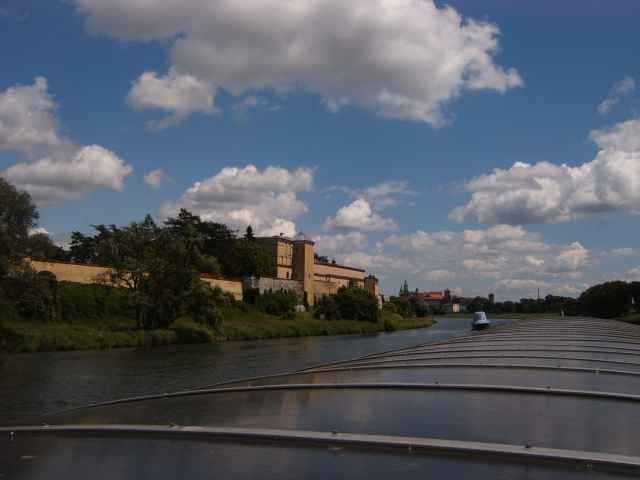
<point x="354" y="303"/>
<point x="205" y="305"/>
<point x="327" y="309"/>
<point x="279" y="303"/>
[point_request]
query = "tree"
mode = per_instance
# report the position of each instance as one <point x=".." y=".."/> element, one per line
<point x="356" y="303"/>
<point x="248" y="235"/>
<point x="40" y="246"/>
<point x="18" y="215"/>
<point x="606" y="300"/>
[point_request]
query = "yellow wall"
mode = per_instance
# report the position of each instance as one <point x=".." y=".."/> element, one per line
<point x="234" y="287"/>
<point x="285" y="273"/>
<point x="73" y="272"/>
<point x="338" y="274"/>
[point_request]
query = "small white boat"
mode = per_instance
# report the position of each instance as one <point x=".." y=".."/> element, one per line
<point x="480" y="321"/>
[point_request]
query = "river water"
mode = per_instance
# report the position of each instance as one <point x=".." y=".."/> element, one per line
<point x="34" y="384"/>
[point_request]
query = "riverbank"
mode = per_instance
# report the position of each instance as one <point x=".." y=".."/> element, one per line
<point x="31" y="336"/>
<point x="514" y="316"/>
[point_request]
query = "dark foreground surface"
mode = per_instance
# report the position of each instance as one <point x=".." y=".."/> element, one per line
<point x="539" y="399"/>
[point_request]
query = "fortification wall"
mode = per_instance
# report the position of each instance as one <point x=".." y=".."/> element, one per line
<point x="73" y="272"/>
<point x="234" y="287"/>
<point x="87" y="274"/>
<point x="265" y="284"/>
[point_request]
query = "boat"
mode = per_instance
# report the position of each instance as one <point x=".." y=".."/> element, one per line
<point x="480" y="321"/>
<point x="541" y="398"/>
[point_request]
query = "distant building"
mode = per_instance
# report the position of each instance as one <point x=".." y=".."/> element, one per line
<point x="296" y="260"/>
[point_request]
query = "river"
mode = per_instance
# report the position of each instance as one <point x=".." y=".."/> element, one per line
<point x="33" y="384"/>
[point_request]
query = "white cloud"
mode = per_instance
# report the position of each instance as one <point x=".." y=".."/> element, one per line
<point x="340" y="243"/>
<point x="177" y="94"/>
<point x="27" y="119"/>
<point x="549" y="193"/>
<point x="267" y="200"/>
<point x="484" y="257"/>
<point x="572" y="258"/>
<point x="381" y="195"/>
<point x="279" y="227"/>
<point x="38" y="231"/>
<point x="358" y="215"/>
<point x="624" y="252"/>
<point x="404" y="59"/>
<point x="50" y="180"/>
<point x="52" y="168"/>
<point x="620" y="89"/>
<point x="155" y="178"/>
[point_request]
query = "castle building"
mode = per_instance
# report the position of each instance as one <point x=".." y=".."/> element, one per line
<point x="296" y="260"/>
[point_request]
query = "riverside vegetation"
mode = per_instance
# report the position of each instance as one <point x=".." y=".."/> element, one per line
<point x="163" y="300"/>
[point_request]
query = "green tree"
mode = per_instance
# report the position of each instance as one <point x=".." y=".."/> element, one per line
<point x="18" y="215"/>
<point x="606" y="300"/>
<point x="248" y="234"/>
<point x="356" y="303"/>
<point x="40" y="246"/>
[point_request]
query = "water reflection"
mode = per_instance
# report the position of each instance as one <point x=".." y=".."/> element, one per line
<point x="32" y="384"/>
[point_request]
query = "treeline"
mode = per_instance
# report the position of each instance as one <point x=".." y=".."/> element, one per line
<point x="160" y="266"/>
<point x="549" y="304"/>
<point x="610" y="299"/>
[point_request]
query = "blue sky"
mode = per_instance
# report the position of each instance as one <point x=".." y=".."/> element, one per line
<point x="394" y="115"/>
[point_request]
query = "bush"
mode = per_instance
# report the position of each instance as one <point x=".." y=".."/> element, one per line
<point x="205" y="305"/>
<point x="351" y="303"/>
<point x="191" y="332"/>
<point x="327" y="309"/>
<point x="279" y="303"/>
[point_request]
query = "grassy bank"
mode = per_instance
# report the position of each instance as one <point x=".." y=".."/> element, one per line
<point x="31" y="336"/>
<point x="631" y="318"/>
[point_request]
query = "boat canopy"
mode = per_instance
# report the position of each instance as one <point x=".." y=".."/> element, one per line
<point x="544" y="398"/>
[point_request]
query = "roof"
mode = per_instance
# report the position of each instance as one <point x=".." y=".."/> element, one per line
<point x="429" y="296"/>
<point x="545" y="398"/>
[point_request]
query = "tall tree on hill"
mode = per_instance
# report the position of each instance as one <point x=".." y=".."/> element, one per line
<point x="248" y="235"/>
<point x="18" y="215"/>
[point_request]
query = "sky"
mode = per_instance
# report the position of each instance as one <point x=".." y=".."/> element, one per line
<point x="478" y="146"/>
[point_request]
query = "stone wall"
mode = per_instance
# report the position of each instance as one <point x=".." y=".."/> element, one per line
<point x="79" y="273"/>
<point x="234" y="287"/>
<point x="264" y="284"/>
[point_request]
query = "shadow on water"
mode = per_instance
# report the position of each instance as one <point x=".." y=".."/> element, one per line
<point x="33" y="384"/>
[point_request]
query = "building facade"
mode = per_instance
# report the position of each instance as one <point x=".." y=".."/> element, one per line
<point x="295" y="259"/>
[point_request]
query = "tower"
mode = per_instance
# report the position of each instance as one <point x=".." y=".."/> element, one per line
<point x="303" y="262"/>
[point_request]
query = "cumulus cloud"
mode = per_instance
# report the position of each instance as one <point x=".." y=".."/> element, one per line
<point x="51" y="180"/>
<point x="52" y="168"/>
<point x="28" y="124"/>
<point x="155" y="178"/>
<point x="486" y="255"/>
<point x="358" y="215"/>
<point x="340" y="243"/>
<point x="549" y="193"/>
<point x="265" y="199"/>
<point x="402" y="59"/>
<point x="177" y="94"/>
<point x="620" y="89"/>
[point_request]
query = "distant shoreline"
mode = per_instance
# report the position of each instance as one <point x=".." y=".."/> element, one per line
<point x="33" y="337"/>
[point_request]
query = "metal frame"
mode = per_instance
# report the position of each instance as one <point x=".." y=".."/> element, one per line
<point x="301" y="438"/>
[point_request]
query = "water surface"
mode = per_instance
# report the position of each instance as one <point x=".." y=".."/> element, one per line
<point x="34" y="384"/>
